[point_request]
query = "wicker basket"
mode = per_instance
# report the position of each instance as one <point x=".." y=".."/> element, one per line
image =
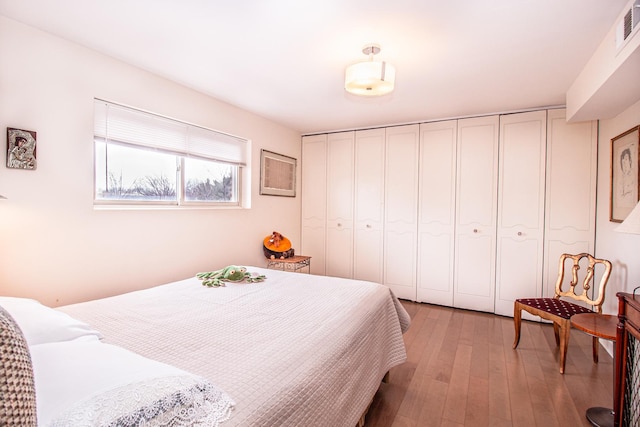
<point x="277" y="255"/>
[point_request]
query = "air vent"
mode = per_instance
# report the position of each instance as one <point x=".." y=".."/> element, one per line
<point x="629" y="24"/>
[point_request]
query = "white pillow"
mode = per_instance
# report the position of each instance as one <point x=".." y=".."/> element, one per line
<point x="41" y="324"/>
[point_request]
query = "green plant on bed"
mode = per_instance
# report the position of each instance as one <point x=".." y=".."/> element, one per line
<point x="231" y="273"/>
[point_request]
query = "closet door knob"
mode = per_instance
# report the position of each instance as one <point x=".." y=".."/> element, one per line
<point x="475" y="230"/>
<point x="520" y="233"/>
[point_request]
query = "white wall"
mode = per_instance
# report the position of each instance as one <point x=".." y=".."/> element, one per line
<point x="623" y="250"/>
<point x="54" y="246"/>
<point x="608" y="84"/>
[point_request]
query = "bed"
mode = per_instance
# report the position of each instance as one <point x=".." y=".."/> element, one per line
<point x="295" y="349"/>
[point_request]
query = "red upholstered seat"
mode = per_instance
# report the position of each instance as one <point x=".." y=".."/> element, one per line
<point x="560" y="311"/>
<point x="556" y="307"/>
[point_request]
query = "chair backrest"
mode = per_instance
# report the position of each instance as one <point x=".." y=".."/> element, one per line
<point x="587" y="279"/>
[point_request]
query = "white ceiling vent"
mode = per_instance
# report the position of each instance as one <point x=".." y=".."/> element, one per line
<point x="629" y="24"/>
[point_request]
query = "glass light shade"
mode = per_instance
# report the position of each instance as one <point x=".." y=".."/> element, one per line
<point x="370" y="78"/>
<point x="631" y="224"/>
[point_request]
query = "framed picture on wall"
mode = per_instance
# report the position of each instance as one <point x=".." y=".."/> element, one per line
<point x="625" y="175"/>
<point x="21" y="149"/>
<point x="277" y="174"/>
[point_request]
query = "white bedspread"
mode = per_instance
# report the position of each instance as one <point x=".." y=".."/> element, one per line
<point x="294" y="350"/>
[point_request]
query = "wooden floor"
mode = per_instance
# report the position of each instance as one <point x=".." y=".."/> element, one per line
<point x="461" y="370"/>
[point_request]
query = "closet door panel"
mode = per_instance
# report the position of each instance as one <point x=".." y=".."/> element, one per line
<point x="474" y="272"/>
<point x="339" y="251"/>
<point x="340" y="166"/>
<point x="571" y="163"/>
<point x="368" y="255"/>
<point x="400" y="266"/>
<point x="340" y="177"/>
<point x="522" y="167"/>
<point x="435" y="269"/>
<point x="521" y="193"/>
<point x="519" y="272"/>
<point x="571" y="191"/>
<point x="369" y="203"/>
<point x="477" y="162"/>
<point x="400" y="206"/>
<point x="314" y="200"/>
<point x="436" y="212"/>
<point x="476" y="194"/>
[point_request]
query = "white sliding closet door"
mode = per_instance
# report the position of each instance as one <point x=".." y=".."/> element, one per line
<point x="401" y="210"/>
<point x="436" y="213"/>
<point x="340" y="165"/>
<point x="521" y="193"/>
<point x="314" y="200"/>
<point x="476" y="201"/>
<point x="369" y="205"/>
<point x="571" y="191"/>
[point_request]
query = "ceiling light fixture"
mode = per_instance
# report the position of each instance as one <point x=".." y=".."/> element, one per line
<point x="370" y="78"/>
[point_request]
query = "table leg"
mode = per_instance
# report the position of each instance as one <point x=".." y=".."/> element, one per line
<point x="603" y="417"/>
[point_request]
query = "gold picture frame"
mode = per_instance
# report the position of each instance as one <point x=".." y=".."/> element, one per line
<point x="625" y="174"/>
<point x="277" y="174"/>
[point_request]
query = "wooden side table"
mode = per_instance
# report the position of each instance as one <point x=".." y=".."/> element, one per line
<point x="294" y="263"/>
<point x="601" y="326"/>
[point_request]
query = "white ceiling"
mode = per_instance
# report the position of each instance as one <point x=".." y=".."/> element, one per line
<point x="285" y="59"/>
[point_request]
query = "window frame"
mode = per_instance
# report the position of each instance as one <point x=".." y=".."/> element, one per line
<point x="239" y="169"/>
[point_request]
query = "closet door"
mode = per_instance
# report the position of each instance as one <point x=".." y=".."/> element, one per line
<point x="476" y="201"/>
<point x="314" y="200"/>
<point x="401" y="210"/>
<point x="521" y="193"/>
<point x="571" y="191"/>
<point x="436" y="212"/>
<point x="369" y="203"/>
<point x="340" y="166"/>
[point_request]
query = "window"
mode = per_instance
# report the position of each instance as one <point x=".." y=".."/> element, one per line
<point x="142" y="158"/>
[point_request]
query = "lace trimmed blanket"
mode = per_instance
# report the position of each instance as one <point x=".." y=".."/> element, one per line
<point x="170" y="401"/>
<point x="87" y="383"/>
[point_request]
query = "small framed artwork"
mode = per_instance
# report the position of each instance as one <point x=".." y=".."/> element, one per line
<point x="277" y="174"/>
<point x="625" y="175"/>
<point x="21" y="149"/>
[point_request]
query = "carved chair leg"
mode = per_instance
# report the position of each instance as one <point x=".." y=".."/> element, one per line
<point x="556" y="332"/>
<point x="564" y="330"/>
<point x="596" y="345"/>
<point x="517" y="322"/>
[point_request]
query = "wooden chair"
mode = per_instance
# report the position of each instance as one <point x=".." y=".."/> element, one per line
<point x="558" y="310"/>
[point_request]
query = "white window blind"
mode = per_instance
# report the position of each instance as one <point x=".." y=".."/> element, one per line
<point x="118" y="124"/>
